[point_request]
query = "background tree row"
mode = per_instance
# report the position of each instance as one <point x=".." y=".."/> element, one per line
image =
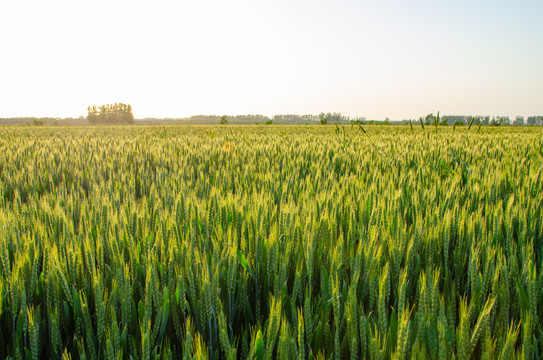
<point x="107" y="114"/>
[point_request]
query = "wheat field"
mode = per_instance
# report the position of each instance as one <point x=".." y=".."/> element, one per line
<point x="271" y="242"/>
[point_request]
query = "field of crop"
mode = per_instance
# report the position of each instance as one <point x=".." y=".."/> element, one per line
<point x="264" y="242"/>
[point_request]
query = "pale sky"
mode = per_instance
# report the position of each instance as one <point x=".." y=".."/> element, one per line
<point x="396" y="59"/>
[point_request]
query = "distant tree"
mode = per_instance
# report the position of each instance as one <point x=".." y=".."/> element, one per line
<point x="534" y="120"/>
<point x="38" y="122"/>
<point x="324" y="121"/>
<point x="336" y="117"/>
<point x="223" y="120"/>
<point x="429" y="119"/>
<point x="290" y="118"/>
<point x="519" y="121"/>
<point x="495" y="121"/>
<point x="93" y="115"/>
<point x="504" y="120"/>
<point x="107" y="114"/>
<point x="359" y="120"/>
<point x="443" y="122"/>
<point x="457" y="119"/>
<point x="269" y="122"/>
<point x="387" y="121"/>
<point x="322" y="116"/>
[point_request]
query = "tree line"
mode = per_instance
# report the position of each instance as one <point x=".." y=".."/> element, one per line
<point x="486" y="120"/>
<point x="110" y="114"/>
<point x="122" y="114"/>
<point x="322" y="118"/>
<point x="338" y="118"/>
<point x="495" y="120"/>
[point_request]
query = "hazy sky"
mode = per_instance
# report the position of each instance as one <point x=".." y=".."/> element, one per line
<point x="396" y="59"/>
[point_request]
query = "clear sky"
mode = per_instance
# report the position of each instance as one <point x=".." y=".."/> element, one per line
<point x="396" y="59"/>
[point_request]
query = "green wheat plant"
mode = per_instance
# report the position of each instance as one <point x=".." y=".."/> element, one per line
<point x="298" y="242"/>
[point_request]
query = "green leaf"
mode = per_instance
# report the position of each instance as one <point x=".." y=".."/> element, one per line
<point x="392" y="334"/>
<point x="39" y="285"/>
<point x="28" y="353"/>
<point x="20" y="325"/>
<point x="318" y="336"/>
<point x="523" y="298"/>
<point x="244" y="263"/>
<point x="141" y="311"/>
<point x="259" y="346"/>
<point x="177" y="294"/>
<point x="123" y="337"/>
<point x="326" y="295"/>
<point x="165" y="313"/>
<point x="76" y="302"/>
<point x="66" y="310"/>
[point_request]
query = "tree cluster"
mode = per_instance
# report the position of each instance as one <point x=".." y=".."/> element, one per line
<point x="534" y="120"/>
<point x="107" y="114"/>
